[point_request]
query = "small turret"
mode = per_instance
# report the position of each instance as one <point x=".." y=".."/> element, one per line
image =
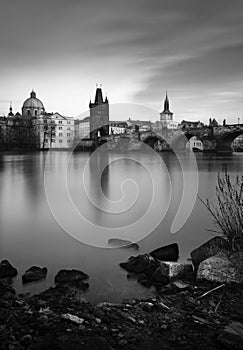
<point x="10" y="114"/>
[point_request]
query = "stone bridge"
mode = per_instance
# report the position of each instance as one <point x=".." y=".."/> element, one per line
<point x="217" y="139"/>
<point x="214" y="139"/>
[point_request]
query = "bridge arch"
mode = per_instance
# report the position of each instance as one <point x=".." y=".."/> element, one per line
<point x="180" y="141"/>
<point x="156" y="141"/>
<point x="224" y="144"/>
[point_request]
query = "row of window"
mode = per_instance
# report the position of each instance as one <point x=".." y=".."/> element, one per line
<point x="54" y="141"/>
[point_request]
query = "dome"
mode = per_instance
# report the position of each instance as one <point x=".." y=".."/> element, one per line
<point x="33" y="102"/>
<point x="32" y="106"/>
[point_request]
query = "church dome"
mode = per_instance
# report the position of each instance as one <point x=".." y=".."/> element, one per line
<point x="32" y="106"/>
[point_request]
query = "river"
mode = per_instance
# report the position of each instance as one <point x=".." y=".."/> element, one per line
<point x="41" y="223"/>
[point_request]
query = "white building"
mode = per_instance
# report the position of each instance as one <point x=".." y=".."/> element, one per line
<point x="117" y="127"/>
<point x="194" y="144"/>
<point x="54" y="131"/>
<point x="82" y="128"/>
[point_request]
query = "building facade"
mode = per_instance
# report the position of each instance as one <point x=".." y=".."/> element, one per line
<point x="82" y="128"/>
<point x="54" y="131"/>
<point x="99" y="116"/>
<point x="117" y="127"/>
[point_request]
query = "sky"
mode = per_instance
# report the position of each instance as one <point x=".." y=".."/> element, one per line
<point x="137" y="49"/>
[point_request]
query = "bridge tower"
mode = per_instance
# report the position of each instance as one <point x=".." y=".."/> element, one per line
<point x="166" y="116"/>
<point x="99" y="115"/>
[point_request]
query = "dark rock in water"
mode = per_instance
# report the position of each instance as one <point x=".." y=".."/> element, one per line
<point x="122" y="243"/>
<point x="141" y="264"/>
<point x="208" y="249"/>
<point x="167" y="253"/>
<point x="7" y="270"/>
<point x="6" y="291"/>
<point x="69" y="276"/>
<point x="34" y="273"/>
<point x="159" y="278"/>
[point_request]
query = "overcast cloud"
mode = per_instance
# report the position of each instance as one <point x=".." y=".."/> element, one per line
<point x="137" y="49"/>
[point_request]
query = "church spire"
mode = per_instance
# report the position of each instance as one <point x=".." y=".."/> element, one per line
<point x="166" y="103"/>
<point x="10" y="114"/>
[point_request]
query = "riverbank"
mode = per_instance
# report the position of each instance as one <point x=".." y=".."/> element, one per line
<point x="180" y="316"/>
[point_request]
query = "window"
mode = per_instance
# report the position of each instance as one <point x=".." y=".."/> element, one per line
<point x="28" y="112"/>
<point x="68" y="134"/>
<point x="46" y="140"/>
<point x="59" y="122"/>
<point x="60" y="128"/>
<point x="68" y="128"/>
<point x="53" y="141"/>
<point x="69" y="122"/>
<point x="60" y="141"/>
<point x="60" y="133"/>
<point x="36" y="112"/>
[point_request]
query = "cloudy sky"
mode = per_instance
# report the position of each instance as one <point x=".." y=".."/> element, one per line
<point x="136" y="48"/>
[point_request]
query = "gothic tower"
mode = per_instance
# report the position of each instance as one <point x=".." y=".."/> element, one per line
<point x="166" y="115"/>
<point x="99" y="115"/>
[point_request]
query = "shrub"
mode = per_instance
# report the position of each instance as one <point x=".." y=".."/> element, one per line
<point x="228" y="214"/>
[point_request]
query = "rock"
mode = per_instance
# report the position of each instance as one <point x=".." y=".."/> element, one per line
<point x="26" y="340"/>
<point x="73" y="318"/>
<point x="232" y="336"/>
<point x="122" y="342"/>
<point x="7" y="270"/>
<point x="171" y="270"/>
<point x="3" y="314"/>
<point x="122" y="243"/>
<point x="167" y="253"/>
<point x="158" y="278"/>
<point x="208" y="249"/>
<point x="34" y="273"/>
<point x="180" y="284"/>
<point x="141" y="264"/>
<point x="6" y="291"/>
<point x="69" y="276"/>
<point x="221" y="268"/>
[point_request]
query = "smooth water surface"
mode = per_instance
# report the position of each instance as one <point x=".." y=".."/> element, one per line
<point x="30" y="235"/>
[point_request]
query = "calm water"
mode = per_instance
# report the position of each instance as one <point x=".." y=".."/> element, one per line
<point x="31" y="235"/>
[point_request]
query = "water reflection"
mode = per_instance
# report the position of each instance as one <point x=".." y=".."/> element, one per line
<point x="30" y="235"/>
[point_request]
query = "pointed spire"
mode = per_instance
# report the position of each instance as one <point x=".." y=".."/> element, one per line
<point x="166" y="103"/>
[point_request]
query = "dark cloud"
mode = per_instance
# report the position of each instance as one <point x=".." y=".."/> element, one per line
<point x="137" y="48"/>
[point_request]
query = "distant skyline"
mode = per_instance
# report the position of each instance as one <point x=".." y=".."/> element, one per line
<point x="136" y="49"/>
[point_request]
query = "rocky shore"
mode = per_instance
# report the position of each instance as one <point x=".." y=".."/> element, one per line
<point x="186" y="312"/>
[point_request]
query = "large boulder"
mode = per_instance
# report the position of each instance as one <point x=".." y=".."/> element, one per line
<point x="7" y="270"/>
<point x="70" y="276"/>
<point x="222" y="268"/>
<point x="208" y="249"/>
<point x="170" y="271"/>
<point x="232" y="336"/>
<point x="122" y="243"/>
<point x="167" y="253"/>
<point x="141" y="264"/>
<point x="34" y="273"/>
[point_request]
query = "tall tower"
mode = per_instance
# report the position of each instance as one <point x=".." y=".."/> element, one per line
<point x="166" y="116"/>
<point x="99" y="115"/>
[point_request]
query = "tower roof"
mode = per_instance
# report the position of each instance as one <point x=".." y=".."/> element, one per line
<point x="98" y="96"/>
<point x="166" y="104"/>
